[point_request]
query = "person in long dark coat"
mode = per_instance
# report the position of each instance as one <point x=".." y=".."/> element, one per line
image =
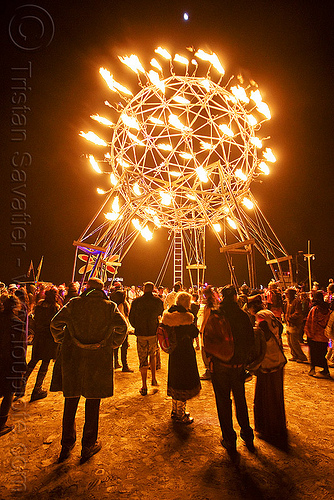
<point x="44" y="347"/>
<point x="88" y="328"/>
<point x="269" y="409"/>
<point x="13" y="347"/>
<point x="183" y="378"/>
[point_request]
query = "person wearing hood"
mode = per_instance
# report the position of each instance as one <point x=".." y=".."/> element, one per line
<point x="315" y="325"/>
<point x="183" y="378"/>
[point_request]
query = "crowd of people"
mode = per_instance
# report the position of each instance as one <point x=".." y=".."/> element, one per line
<point x="239" y="333"/>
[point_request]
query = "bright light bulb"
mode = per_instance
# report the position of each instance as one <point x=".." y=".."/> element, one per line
<point x="133" y="63"/>
<point x="248" y="203"/>
<point x="269" y="155"/>
<point x="252" y="121"/>
<point x="111" y="216"/>
<point x="240" y="94"/>
<point x="239" y="173"/>
<point x="154" y="77"/>
<point x="180" y="100"/>
<point x="231" y="223"/>
<point x="102" y="120"/>
<point x="112" y="84"/>
<point x="263" y="108"/>
<point x="163" y="52"/>
<point x="123" y="163"/>
<point x="181" y="59"/>
<point x="90" y="136"/>
<point x="206" y="145"/>
<point x="264" y="168"/>
<point x="146" y="233"/>
<point x="165" y="147"/>
<point x="166" y="198"/>
<point x="256" y="142"/>
<point x="94" y="164"/>
<point x="202" y="175"/>
<point x="156" y="121"/>
<point x="136" y="224"/>
<point x="135" y="139"/>
<point x="136" y="189"/>
<point x="130" y="121"/>
<point x="217" y="227"/>
<point x="115" y="204"/>
<point x="155" y="64"/>
<point x="226" y="130"/>
<point x="113" y="179"/>
<point x="186" y="156"/>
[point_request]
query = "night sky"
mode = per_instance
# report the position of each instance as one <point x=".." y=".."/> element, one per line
<point x="56" y="49"/>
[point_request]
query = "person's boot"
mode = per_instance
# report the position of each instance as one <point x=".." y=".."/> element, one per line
<point x="127" y="369"/>
<point x="88" y="452"/>
<point x="4" y="429"/>
<point x="182" y="417"/>
<point x="39" y="394"/>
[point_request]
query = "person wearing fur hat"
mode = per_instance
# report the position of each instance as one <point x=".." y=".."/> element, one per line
<point x="183" y="377"/>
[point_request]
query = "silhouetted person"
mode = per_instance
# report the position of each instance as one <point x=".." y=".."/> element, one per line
<point x="229" y="376"/>
<point x="88" y="327"/>
<point x="144" y="317"/>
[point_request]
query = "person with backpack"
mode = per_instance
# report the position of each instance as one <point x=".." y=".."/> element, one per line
<point x="183" y="378"/>
<point x="228" y="340"/>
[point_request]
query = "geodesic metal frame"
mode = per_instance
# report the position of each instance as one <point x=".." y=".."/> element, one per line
<point x="183" y="154"/>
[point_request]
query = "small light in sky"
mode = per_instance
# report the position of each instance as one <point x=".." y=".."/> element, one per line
<point x="186" y="16"/>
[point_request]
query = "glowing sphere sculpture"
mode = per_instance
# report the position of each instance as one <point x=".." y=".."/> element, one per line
<point x="184" y="149"/>
<point x="191" y="152"/>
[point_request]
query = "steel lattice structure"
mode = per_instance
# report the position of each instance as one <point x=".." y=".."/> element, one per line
<point x="183" y="154"/>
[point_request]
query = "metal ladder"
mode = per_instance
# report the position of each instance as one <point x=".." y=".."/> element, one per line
<point x="178" y="256"/>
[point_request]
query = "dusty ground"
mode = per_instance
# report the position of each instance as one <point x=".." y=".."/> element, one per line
<point x="145" y="456"/>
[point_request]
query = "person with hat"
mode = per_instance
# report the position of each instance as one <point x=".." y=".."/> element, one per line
<point x="88" y="328"/>
<point x="229" y="376"/>
<point x="269" y="408"/>
<point x="183" y="382"/>
<point x="144" y="316"/>
<point x="12" y="288"/>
